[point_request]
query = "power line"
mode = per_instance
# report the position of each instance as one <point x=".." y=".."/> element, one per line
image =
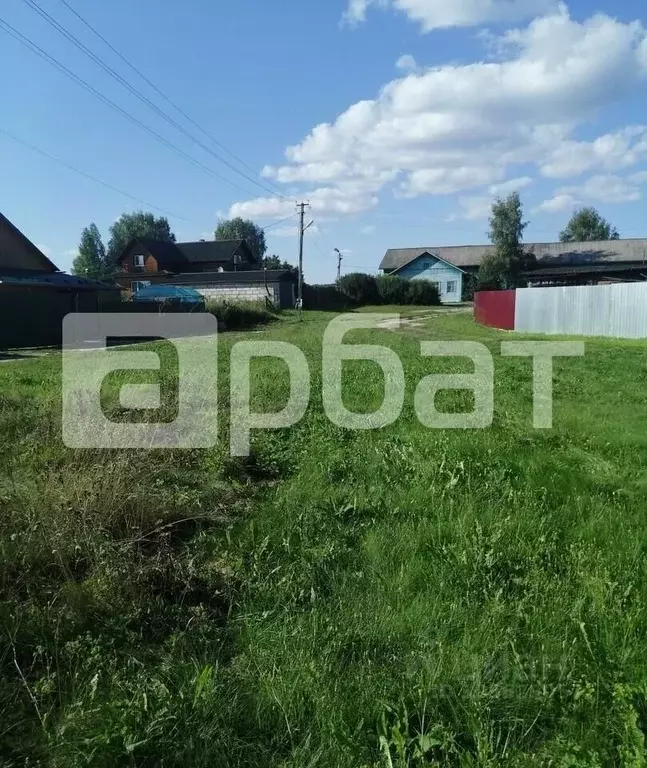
<point x="161" y="93"/>
<point x="282" y="221"/>
<point x="89" y="176"/>
<point x="122" y="81"/>
<point x="68" y="72"/>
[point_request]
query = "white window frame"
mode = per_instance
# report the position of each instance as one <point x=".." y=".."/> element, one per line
<point x="137" y="285"/>
<point x="136" y="260"/>
<point x="454" y="286"/>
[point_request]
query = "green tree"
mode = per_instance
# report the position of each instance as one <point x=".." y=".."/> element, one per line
<point x="586" y="225"/>
<point x="275" y="262"/>
<point x="137" y="224"/>
<point x="244" y="229"/>
<point x="91" y="259"/>
<point x="501" y="269"/>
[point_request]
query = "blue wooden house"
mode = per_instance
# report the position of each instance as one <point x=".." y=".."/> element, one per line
<point x="447" y="277"/>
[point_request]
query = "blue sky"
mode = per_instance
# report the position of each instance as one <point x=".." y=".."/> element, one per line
<point x="399" y="120"/>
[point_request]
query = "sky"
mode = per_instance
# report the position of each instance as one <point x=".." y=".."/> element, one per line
<point x="399" y="121"/>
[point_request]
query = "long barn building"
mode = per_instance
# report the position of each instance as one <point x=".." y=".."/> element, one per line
<point x="557" y="264"/>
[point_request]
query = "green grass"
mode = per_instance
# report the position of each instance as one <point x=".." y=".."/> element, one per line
<point x="402" y="597"/>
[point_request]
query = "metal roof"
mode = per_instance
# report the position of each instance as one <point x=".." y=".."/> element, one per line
<point x="31" y="278"/>
<point x="600" y="252"/>
<point x="586" y="269"/>
<point x="437" y="257"/>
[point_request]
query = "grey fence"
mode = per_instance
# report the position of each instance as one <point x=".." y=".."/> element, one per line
<point x="618" y="310"/>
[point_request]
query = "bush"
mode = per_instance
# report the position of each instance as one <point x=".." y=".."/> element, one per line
<point x="326" y="298"/>
<point x="470" y="283"/>
<point x="392" y="290"/>
<point x="240" y="315"/>
<point x="359" y="288"/>
<point x="422" y="292"/>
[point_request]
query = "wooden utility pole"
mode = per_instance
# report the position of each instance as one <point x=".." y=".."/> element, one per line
<point x="302" y="212"/>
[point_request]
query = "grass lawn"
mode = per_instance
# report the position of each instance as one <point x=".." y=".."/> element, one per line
<point x="400" y="597"/>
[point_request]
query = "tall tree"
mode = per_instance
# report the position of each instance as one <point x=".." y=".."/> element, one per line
<point x="137" y="224"/>
<point x="586" y="225"/>
<point x="243" y="229"/>
<point x="91" y="259"/>
<point x="502" y="268"/>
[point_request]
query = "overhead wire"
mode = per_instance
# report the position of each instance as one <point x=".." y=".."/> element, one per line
<point x="161" y="93"/>
<point x="281" y="221"/>
<point x="13" y="32"/>
<point x="136" y="92"/>
<point x="90" y="176"/>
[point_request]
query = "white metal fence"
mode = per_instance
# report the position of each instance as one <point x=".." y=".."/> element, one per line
<point x="618" y="310"/>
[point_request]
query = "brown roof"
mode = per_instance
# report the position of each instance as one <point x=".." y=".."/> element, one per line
<point x="203" y="251"/>
<point x="6" y="224"/>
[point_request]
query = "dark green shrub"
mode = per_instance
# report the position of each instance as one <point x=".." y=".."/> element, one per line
<point x="392" y="290"/>
<point x="359" y="288"/>
<point x="238" y="316"/>
<point x="423" y="292"/>
<point x="470" y="283"/>
<point x="327" y="298"/>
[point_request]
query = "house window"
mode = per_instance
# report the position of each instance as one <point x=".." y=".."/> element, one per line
<point x="139" y="259"/>
<point x="137" y="285"/>
<point x="451" y="286"/>
<point x="426" y="265"/>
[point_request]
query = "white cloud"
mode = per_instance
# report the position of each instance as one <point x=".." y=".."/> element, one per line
<point x="480" y="206"/>
<point x="612" y="151"/>
<point x="269" y="207"/>
<point x="602" y="188"/>
<point x="510" y="186"/>
<point x="437" y="14"/>
<point x="473" y="208"/>
<point x="345" y="199"/>
<point x="368" y="229"/>
<point x="283" y="232"/>
<point x="445" y="181"/>
<point x="557" y="204"/>
<point x="454" y="128"/>
<point x="406" y="63"/>
<point x="291" y="231"/>
<point x="605" y="189"/>
<point x="356" y="12"/>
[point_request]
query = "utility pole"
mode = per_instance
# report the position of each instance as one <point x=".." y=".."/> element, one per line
<point x="339" y="260"/>
<point x="302" y="212"/>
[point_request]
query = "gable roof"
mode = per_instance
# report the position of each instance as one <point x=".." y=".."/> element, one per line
<point x="201" y="252"/>
<point x="213" y="250"/>
<point x="165" y="254"/>
<point x="48" y="265"/>
<point x="432" y="256"/>
<point x="600" y="252"/>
